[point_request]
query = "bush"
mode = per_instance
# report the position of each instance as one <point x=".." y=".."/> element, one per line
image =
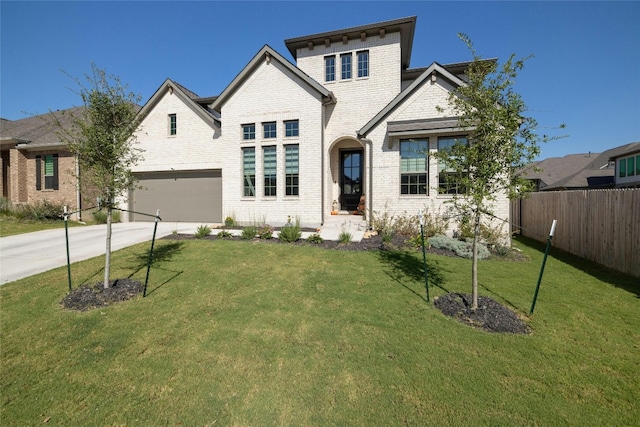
<point x="462" y="249"/>
<point x="41" y="211"/>
<point x="407" y="225"/>
<point x="345" y="237"/>
<point x="224" y="234"/>
<point x="265" y="232"/>
<point x="315" y="238"/>
<point x="229" y="222"/>
<point x="100" y="217"/>
<point x="290" y="232"/>
<point x="248" y="232"/>
<point x="5" y="205"/>
<point x="202" y="231"/>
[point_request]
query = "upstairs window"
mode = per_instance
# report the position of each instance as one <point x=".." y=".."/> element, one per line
<point x="173" y="125"/>
<point x="363" y="63"/>
<point x="330" y="68"/>
<point x="414" y="166"/>
<point x="249" y="131"/>
<point x="448" y="179"/>
<point x="628" y="167"/>
<point x="346" y="66"/>
<point x="269" y="130"/>
<point x="291" y="128"/>
<point x="270" y="171"/>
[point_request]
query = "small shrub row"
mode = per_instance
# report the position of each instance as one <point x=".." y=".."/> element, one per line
<point x="41" y="211"/>
<point x="100" y="217"/>
<point x="463" y="249"/>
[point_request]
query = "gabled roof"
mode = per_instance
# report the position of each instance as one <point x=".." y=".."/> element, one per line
<point x="556" y="169"/>
<point x="269" y="54"/>
<point x="624" y="150"/>
<point x="186" y="96"/>
<point x="406" y="27"/>
<point x="39" y="131"/>
<point x="434" y="69"/>
<point x="455" y="68"/>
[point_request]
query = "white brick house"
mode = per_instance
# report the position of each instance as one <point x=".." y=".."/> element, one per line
<point x="348" y="119"/>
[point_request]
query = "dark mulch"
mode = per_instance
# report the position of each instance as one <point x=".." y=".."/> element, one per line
<point x="372" y="243"/>
<point x="489" y="316"/>
<point x="88" y="297"/>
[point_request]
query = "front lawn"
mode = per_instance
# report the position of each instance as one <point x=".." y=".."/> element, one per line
<point x="251" y="333"/>
<point x="10" y="225"/>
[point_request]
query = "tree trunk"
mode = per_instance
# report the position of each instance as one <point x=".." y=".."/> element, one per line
<point x="474" y="263"/>
<point x="107" y="257"/>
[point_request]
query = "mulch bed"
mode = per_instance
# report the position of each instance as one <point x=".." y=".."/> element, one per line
<point x="87" y="297"/>
<point x="489" y="316"/>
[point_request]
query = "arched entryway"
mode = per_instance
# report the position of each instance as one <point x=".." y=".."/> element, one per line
<point x="347" y="159"/>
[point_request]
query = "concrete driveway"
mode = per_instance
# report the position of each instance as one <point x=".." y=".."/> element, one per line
<point x="27" y="254"/>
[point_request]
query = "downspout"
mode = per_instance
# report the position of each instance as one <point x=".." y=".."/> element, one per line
<point x="369" y="197"/>
<point x="328" y="102"/>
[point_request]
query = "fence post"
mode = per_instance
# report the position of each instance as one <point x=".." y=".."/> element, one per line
<point x="544" y="261"/>
<point x="66" y="235"/>
<point x="153" y="241"/>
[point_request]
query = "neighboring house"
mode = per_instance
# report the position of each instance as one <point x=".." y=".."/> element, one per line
<point x="36" y="165"/>
<point x="627" y="161"/>
<point x="586" y="171"/>
<point x="350" y="119"/>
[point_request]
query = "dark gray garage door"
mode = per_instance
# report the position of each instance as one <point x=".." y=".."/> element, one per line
<point x="189" y="196"/>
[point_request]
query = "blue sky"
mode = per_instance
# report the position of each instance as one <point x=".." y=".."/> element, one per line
<point x="585" y="71"/>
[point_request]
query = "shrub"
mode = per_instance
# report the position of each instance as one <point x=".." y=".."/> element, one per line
<point x="41" y="211"/>
<point x="224" y="234"/>
<point x="100" y="217"/>
<point x="290" y="232"/>
<point x="229" y="222"/>
<point x="248" y="232"/>
<point x="202" y="231"/>
<point x="416" y="241"/>
<point x="315" y="238"/>
<point x="345" y="237"/>
<point x="265" y="232"/>
<point x="382" y="223"/>
<point x="5" y="205"/>
<point x="463" y="249"/>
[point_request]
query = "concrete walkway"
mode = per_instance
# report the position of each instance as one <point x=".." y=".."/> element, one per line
<point x="24" y="255"/>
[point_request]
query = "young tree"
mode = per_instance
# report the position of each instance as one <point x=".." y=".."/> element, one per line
<point x="101" y="137"/>
<point x="501" y="140"/>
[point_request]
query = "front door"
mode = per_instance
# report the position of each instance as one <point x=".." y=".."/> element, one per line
<point x="351" y="179"/>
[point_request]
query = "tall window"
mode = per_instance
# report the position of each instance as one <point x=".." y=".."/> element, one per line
<point x="363" y="63"/>
<point x="249" y="171"/>
<point x="291" y="170"/>
<point x="448" y="180"/>
<point x="249" y="131"/>
<point x="628" y="166"/>
<point x="291" y="128"/>
<point x="346" y="66"/>
<point x="270" y="171"/>
<point x="269" y="129"/>
<point x="330" y="68"/>
<point x="173" y="124"/>
<point x="414" y="166"/>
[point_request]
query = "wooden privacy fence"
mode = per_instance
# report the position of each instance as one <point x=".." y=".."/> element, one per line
<point x="599" y="225"/>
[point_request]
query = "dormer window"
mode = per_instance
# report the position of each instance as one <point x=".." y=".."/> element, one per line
<point x="330" y="68"/>
<point x="363" y="63"/>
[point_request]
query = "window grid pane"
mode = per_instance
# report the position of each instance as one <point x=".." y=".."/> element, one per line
<point x="330" y="68"/>
<point x="249" y="171"/>
<point x="414" y="167"/>
<point x="291" y="128"/>
<point x="291" y="170"/>
<point x="270" y="171"/>
<point x="249" y="131"/>
<point x="447" y="179"/>
<point x="269" y="129"/>
<point x="631" y="167"/>
<point x="346" y="66"/>
<point x="622" y="165"/>
<point x="363" y="64"/>
<point x="173" y="124"/>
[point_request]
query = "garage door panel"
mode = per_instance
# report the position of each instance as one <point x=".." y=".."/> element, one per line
<point x="181" y="196"/>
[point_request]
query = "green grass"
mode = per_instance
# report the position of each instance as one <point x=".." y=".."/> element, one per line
<point x="251" y="333"/>
<point x="10" y="226"/>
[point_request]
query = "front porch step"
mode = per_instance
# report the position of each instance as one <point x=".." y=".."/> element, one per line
<point x="336" y="224"/>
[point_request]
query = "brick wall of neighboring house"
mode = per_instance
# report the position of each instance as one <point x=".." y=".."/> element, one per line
<point x="66" y="192"/>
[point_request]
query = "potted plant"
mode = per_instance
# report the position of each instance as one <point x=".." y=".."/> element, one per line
<point x="334" y="208"/>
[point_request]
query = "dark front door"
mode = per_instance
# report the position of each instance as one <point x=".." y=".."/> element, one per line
<point x="351" y="179"/>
